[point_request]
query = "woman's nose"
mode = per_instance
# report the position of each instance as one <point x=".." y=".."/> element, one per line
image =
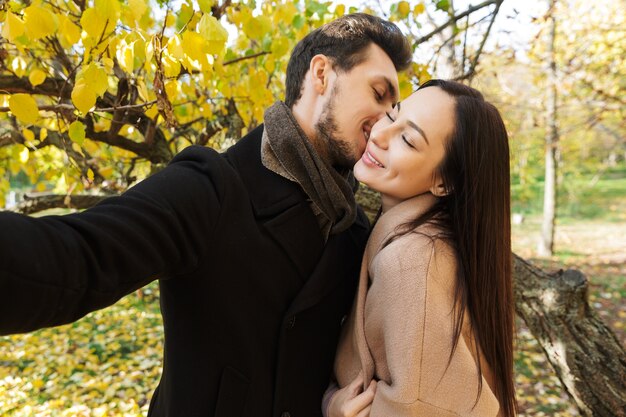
<point x="380" y="136"/>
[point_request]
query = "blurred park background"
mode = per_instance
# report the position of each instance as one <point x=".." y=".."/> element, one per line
<point x="97" y="94"/>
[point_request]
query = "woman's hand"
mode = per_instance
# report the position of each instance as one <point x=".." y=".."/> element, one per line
<point x="352" y="401"/>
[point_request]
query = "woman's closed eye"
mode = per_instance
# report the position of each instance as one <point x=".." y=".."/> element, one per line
<point x="404" y="138"/>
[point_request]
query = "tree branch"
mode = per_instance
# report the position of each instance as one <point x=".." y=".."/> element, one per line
<point x="35" y="204"/>
<point x="456" y="18"/>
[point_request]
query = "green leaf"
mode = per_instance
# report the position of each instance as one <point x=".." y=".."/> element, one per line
<point x="77" y="132"/>
<point x="298" y="21"/>
<point x="443" y="5"/>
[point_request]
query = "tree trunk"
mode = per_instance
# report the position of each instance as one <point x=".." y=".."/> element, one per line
<point x="546" y="243"/>
<point x="586" y="356"/>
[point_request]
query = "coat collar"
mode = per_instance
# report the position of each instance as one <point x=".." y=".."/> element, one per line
<point x="269" y="192"/>
<point x="388" y="223"/>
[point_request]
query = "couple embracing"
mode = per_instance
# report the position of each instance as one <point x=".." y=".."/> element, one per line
<point x="277" y="300"/>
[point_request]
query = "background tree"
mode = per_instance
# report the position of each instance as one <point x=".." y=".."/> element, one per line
<point x="546" y="243"/>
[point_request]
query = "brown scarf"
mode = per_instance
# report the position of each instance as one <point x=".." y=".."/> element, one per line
<point x="287" y="151"/>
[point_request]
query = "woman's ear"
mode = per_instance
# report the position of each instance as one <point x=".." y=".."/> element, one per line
<point x="320" y="70"/>
<point x="438" y="189"/>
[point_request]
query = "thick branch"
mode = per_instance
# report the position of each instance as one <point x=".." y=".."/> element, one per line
<point x="34" y="204"/>
<point x="52" y="87"/>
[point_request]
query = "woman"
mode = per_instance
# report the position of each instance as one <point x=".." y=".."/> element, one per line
<point x="431" y="331"/>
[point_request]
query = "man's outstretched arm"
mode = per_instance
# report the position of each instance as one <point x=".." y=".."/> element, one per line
<point x="56" y="269"/>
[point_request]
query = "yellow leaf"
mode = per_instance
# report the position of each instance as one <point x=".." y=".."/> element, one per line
<point x="152" y="111"/>
<point x="403" y="9"/>
<point x="43" y="134"/>
<point x="36" y="77"/>
<point x="280" y="46"/>
<point x="205" y="5"/>
<point x="41" y="187"/>
<point x="70" y="33"/>
<point x="83" y="96"/>
<point x="24" y="107"/>
<point x="90" y="176"/>
<point x="174" y="47"/>
<point x="257" y="27"/>
<point x="108" y="10"/>
<point x="171" y="88"/>
<point x="214" y="33"/>
<point x="28" y="135"/>
<point x="193" y="45"/>
<point x="24" y="155"/>
<point x="150" y="49"/>
<point x="77" y="132"/>
<point x="171" y="66"/>
<point x="340" y="10"/>
<point x="92" y="23"/>
<point x="39" y="22"/>
<point x="100" y="19"/>
<point x="419" y="9"/>
<point x="18" y="65"/>
<point x="125" y="55"/>
<point x="138" y="8"/>
<point x="13" y="27"/>
<point x="106" y="171"/>
<point x="108" y="64"/>
<point x="143" y="90"/>
<point x="96" y="77"/>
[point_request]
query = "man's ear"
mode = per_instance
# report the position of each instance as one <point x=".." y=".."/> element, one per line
<point x="320" y="69"/>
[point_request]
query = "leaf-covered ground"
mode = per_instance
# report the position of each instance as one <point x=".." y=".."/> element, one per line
<point x="108" y="363"/>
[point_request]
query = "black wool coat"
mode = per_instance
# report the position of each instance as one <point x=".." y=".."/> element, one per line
<point x="252" y="298"/>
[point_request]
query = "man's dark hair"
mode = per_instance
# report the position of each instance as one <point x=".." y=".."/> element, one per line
<point x="344" y="40"/>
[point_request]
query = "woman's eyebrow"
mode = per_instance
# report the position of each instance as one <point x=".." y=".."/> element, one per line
<point x="419" y="129"/>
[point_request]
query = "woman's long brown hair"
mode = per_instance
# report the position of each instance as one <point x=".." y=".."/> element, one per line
<point x="475" y="218"/>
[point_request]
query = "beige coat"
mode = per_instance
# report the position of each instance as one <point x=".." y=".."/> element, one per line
<point x="400" y="328"/>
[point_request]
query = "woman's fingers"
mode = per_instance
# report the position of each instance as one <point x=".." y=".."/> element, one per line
<point x="356" y="386"/>
<point x="362" y="401"/>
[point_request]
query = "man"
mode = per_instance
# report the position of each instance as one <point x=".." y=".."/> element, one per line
<point x="257" y="250"/>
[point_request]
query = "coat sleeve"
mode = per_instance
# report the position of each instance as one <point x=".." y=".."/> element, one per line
<point x="401" y="272"/>
<point x="56" y="269"/>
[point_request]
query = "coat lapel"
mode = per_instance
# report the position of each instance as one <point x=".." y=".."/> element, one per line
<point x="280" y="206"/>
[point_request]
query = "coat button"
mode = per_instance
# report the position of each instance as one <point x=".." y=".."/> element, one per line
<point x="285" y="414"/>
<point x="343" y="320"/>
<point x="290" y="325"/>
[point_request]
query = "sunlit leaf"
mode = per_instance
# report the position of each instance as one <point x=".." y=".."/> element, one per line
<point x="83" y="96"/>
<point x="214" y="33"/>
<point x="24" y="107"/>
<point x="138" y="8"/>
<point x="205" y="5"/>
<point x="36" y="77"/>
<point x="13" y="27"/>
<point x="39" y="22"/>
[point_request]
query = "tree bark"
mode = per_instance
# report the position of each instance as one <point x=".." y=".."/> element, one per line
<point x="587" y="357"/>
<point x="546" y="243"/>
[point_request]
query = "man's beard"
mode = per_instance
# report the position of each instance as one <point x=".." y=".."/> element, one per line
<point x="335" y="148"/>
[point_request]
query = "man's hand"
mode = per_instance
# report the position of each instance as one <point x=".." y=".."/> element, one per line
<point x="352" y="401"/>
